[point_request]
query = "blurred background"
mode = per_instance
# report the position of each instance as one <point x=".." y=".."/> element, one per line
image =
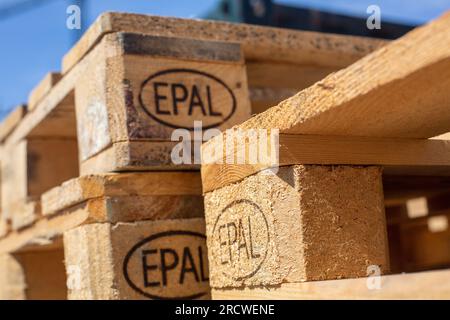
<point x="35" y="37"/>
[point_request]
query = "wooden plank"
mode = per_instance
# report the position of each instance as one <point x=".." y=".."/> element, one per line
<point x="11" y="121"/>
<point x="81" y="189"/>
<point x="42" y="89"/>
<point x="400" y="90"/>
<point x="398" y="156"/>
<point x="135" y="156"/>
<point x="111" y="265"/>
<point x="24" y="214"/>
<point x="259" y="43"/>
<point x="43" y="232"/>
<point x="270" y="228"/>
<point x="422" y="285"/>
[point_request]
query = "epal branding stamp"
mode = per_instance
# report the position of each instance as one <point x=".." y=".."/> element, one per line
<point x="178" y="97"/>
<point x="170" y="264"/>
<point x="240" y="239"/>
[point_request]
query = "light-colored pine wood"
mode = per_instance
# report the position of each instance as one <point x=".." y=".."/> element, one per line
<point x="12" y="279"/>
<point x="400" y="90"/>
<point x="116" y="100"/>
<point x="42" y="89"/>
<point x="110" y="265"/>
<point x="54" y="115"/>
<point x="423" y="248"/>
<point x="135" y="156"/>
<point x="306" y="222"/>
<point x="43" y="233"/>
<point x="4" y="227"/>
<point x="259" y="43"/>
<point x="422" y="285"/>
<point x="11" y="121"/>
<point x="81" y="189"/>
<point x="427" y="157"/>
<point x="24" y="214"/>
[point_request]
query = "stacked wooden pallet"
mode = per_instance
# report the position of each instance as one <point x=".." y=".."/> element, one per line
<point x="93" y="205"/>
<point x="351" y="147"/>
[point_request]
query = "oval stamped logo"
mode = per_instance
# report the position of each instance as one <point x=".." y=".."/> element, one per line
<point x="169" y="265"/>
<point x="177" y="97"/>
<point x="240" y="240"/>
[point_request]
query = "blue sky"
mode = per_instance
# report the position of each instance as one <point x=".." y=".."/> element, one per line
<point x="34" y="41"/>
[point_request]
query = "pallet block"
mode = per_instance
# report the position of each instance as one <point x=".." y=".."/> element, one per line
<point x="141" y="88"/>
<point x="304" y="223"/>
<point x="163" y="259"/>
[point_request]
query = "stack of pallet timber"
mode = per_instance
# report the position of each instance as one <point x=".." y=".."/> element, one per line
<point x="93" y="206"/>
<point x="310" y="222"/>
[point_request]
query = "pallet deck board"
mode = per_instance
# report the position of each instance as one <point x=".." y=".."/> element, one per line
<point x="259" y="43"/>
<point x="77" y="190"/>
<point x="400" y="90"/>
<point x="398" y="156"/>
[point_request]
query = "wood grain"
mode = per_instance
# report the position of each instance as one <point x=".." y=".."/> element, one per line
<point x="81" y="189"/>
<point x="259" y="43"/>
<point x="11" y="121"/>
<point x="398" y="156"/>
<point x="400" y="90"/>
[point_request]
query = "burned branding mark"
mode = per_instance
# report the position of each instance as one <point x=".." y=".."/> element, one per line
<point x="241" y="239"/>
<point x="177" y="97"/>
<point x="169" y="265"/>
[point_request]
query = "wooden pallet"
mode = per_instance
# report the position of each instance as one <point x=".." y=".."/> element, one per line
<point x="316" y="212"/>
<point x="86" y="172"/>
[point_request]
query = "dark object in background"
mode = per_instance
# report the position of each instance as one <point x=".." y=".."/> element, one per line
<point x="265" y="12"/>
